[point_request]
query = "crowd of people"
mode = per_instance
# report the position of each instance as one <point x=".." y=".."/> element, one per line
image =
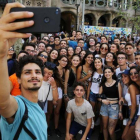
<point x="96" y="77"/>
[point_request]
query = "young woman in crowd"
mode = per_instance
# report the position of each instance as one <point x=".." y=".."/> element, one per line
<point x="63" y="51"/>
<point x="70" y="78"/>
<point x="49" y="91"/>
<point x="132" y="98"/>
<point x="97" y="47"/>
<point x="110" y="107"/>
<point x="104" y="49"/>
<point x="93" y="88"/>
<point x="111" y="60"/>
<point x="82" y="54"/>
<point x="53" y="56"/>
<point x="70" y="53"/>
<point x="78" y="50"/>
<point x="43" y="56"/>
<point x="48" y="49"/>
<point x="114" y="48"/>
<point x="84" y="72"/>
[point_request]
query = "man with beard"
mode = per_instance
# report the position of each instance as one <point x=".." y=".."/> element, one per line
<point x="20" y="112"/>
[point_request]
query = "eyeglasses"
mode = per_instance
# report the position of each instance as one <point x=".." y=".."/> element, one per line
<point x="135" y="73"/>
<point x="121" y="58"/>
<point x="41" y="55"/>
<point x="11" y="50"/>
<point x="122" y="43"/>
<point x="104" y="48"/>
<point x="91" y="41"/>
<point x="45" y="39"/>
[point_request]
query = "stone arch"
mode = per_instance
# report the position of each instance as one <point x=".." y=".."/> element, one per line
<point x="104" y="20"/>
<point x="119" y="22"/>
<point x="68" y="21"/>
<point x="90" y="19"/>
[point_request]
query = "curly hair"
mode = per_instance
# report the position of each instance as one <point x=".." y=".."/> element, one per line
<point x="26" y="60"/>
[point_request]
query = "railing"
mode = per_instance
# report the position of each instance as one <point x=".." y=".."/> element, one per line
<point x="114" y="4"/>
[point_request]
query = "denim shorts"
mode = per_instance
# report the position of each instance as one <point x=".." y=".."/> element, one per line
<point x="76" y="127"/>
<point x="92" y="97"/>
<point x="134" y="118"/>
<point x="111" y="110"/>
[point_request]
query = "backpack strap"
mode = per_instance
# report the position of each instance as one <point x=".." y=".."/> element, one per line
<point x="22" y="125"/>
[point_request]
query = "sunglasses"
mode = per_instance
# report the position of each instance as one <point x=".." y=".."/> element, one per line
<point x="104" y="48"/>
<point x="43" y="56"/>
<point x="135" y="73"/>
<point x="11" y="50"/>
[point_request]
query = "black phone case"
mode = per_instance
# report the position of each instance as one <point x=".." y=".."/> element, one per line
<point x="46" y="19"/>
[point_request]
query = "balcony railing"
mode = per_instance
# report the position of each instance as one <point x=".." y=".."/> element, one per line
<point x="114" y="4"/>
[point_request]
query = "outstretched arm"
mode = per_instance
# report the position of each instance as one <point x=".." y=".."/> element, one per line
<point x="8" y="105"/>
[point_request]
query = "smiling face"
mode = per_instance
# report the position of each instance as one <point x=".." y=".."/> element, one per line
<point x="63" y="52"/>
<point x="63" y="62"/>
<point x="91" y="42"/>
<point x="41" y="47"/>
<point x="47" y="74"/>
<point x="134" y="75"/>
<point x="54" y="55"/>
<point x="125" y="79"/>
<point x="89" y="59"/>
<point x="31" y="77"/>
<point x="98" y="64"/>
<point x="75" y="61"/>
<point x="109" y="57"/>
<point x="79" y="92"/>
<point x="43" y="56"/>
<point x="70" y="51"/>
<point x="104" y="49"/>
<point x="108" y="73"/>
<point x="113" y="48"/>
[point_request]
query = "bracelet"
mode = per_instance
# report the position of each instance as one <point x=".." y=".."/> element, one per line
<point x="54" y="88"/>
<point x="137" y="130"/>
<point x="120" y="111"/>
<point x="65" y="95"/>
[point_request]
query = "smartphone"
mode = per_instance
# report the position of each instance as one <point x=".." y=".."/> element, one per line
<point x="46" y="19"/>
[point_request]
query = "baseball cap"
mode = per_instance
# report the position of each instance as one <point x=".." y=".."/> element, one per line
<point x="126" y="72"/>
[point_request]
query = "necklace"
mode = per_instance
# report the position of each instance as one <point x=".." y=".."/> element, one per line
<point x="110" y="83"/>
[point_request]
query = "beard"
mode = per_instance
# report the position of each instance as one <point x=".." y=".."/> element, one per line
<point x="34" y="88"/>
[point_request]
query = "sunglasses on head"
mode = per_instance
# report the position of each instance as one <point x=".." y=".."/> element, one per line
<point x="44" y="56"/>
<point x="135" y="73"/>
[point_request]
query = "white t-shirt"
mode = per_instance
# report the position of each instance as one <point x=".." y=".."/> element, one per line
<point x="96" y="79"/>
<point x="81" y="113"/>
<point x="43" y="92"/>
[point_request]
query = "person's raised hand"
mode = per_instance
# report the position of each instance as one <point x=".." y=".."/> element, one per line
<point x="8" y="35"/>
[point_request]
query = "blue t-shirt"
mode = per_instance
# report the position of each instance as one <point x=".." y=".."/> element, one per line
<point x="73" y="44"/>
<point x="36" y="122"/>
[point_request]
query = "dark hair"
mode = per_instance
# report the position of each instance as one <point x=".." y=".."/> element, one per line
<point x="79" y="84"/>
<point x="41" y="53"/>
<point x="42" y="43"/>
<point x="33" y="37"/>
<point x="56" y="37"/>
<point x="88" y="53"/>
<point x="78" y="32"/>
<point x="116" y="38"/>
<point x="137" y="68"/>
<point x="128" y="43"/>
<point x="63" y="40"/>
<point x="104" y="36"/>
<point x="103" y="78"/>
<point x="26" y="60"/>
<point x="122" y="53"/>
<point x="114" y="57"/>
<point x="102" y="45"/>
<point x="80" y="39"/>
<point x="23" y="52"/>
<point x="49" y="58"/>
<point x="28" y="44"/>
<point x="56" y="75"/>
<point x="89" y="41"/>
<point x="117" y="45"/>
<point x="62" y="49"/>
<point x="60" y="57"/>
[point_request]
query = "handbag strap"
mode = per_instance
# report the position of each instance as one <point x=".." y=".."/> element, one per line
<point x="47" y="94"/>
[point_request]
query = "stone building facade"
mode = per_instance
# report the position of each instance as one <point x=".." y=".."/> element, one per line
<point x="97" y="12"/>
